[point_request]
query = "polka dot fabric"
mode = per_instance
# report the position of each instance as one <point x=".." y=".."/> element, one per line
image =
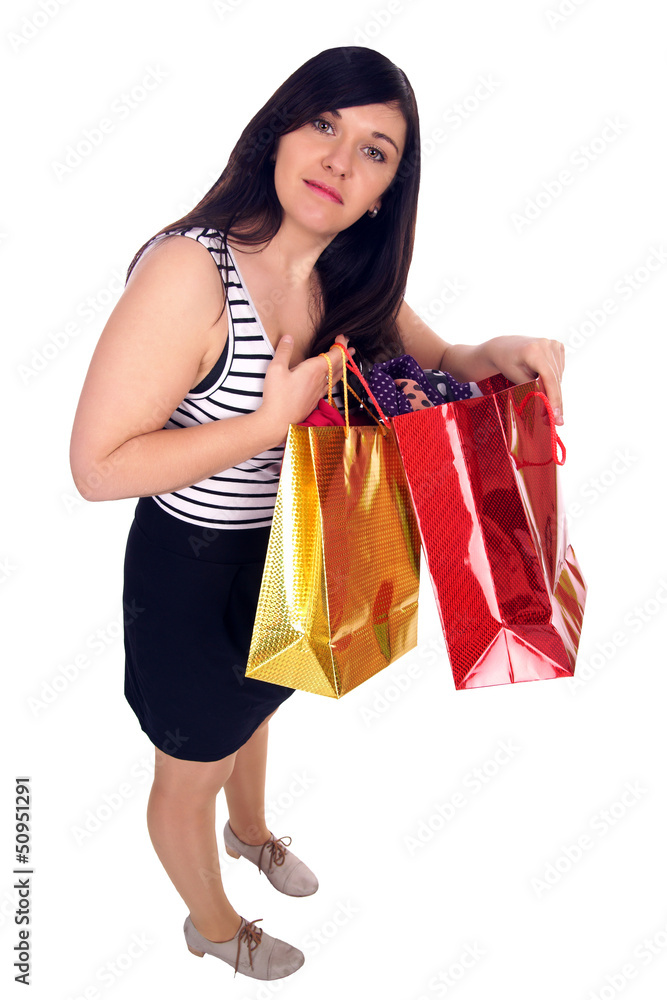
<point x="401" y="386"/>
<point x="449" y="388"/>
<point x="411" y="389"/>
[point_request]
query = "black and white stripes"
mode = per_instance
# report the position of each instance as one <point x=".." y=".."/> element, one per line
<point x="243" y="496"/>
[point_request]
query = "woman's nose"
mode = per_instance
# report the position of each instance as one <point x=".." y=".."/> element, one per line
<point x="339" y="159"/>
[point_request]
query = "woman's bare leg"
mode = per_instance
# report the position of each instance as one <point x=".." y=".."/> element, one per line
<point x="245" y="788"/>
<point x="181" y="824"/>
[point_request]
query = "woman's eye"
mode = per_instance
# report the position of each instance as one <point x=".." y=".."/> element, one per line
<point x="377" y="154"/>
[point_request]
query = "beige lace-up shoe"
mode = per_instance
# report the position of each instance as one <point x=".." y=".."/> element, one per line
<point x="251" y="951"/>
<point x="282" y="868"/>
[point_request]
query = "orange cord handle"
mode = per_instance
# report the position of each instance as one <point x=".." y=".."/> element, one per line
<point x="345" y="388"/>
<point x="348" y="386"/>
<point x="555" y="440"/>
<point x="330" y="386"/>
<point x="352" y="365"/>
<point x="360" y="400"/>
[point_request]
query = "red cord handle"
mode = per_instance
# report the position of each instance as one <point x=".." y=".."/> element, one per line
<point x="352" y="365"/>
<point x="555" y="440"/>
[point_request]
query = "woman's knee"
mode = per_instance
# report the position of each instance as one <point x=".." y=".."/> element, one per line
<point x="190" y="779"/>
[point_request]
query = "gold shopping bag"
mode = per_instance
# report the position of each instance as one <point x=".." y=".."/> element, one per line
<point x="338" y="600"/>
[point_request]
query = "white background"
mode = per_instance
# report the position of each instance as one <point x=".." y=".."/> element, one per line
<point x="353" y="778"/>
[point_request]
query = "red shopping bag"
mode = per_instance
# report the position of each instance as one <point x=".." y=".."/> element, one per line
<point x="483" y="477"/>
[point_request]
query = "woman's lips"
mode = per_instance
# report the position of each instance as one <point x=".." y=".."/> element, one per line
<point x="324" y="191"/>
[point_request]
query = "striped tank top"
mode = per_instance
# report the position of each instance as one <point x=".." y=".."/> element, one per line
<point x="245" y="495"/>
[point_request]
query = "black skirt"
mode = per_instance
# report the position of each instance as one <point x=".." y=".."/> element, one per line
<point x="189" y="599"/>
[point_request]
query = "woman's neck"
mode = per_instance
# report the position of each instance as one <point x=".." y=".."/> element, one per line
<point x="291" y="255"/>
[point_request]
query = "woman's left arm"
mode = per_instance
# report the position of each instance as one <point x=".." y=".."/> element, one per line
<point x="520" y="359"/>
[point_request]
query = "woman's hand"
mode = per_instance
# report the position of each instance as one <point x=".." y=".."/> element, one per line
<point x="521" y="359"/>
<point x="291" y="394"/>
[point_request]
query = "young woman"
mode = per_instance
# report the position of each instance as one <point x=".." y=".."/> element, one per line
<point x="210" y="354"/>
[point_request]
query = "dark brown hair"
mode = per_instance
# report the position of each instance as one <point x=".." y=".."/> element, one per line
<point x="363" y="271"/>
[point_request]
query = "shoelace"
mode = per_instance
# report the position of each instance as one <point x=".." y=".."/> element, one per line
<point x="276" y="850"/>
<point x="251" y="935"/>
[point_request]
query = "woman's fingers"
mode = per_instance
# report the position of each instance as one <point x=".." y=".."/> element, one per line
<point x="341" y="339"/>
<point x="283" y="351"/>
<point x="547" y="358"/>
<point x="522" y="359"/>
<point x="338" y="359"/>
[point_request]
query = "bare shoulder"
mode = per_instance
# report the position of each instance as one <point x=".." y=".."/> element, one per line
<point x="156" y="345"/>
<point x="177" y="279"/>
<point x="169" y="311"/>
<point x="180" y="267"/>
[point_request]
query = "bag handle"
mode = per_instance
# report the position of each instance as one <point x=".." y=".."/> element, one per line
<point x="555" y="440"/>
<point x="330" y="390"/>
<point x="330" y="385"/>
<point x="348" y="388"/>
<point x="352" y="365"/>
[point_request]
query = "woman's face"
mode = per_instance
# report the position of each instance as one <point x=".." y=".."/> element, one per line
<point x="354" y="152"/>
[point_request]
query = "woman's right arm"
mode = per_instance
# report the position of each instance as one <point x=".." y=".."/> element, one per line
<point x="145" y="362"/>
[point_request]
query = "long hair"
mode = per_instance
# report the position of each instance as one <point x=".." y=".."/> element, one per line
<point x="363" y="271"/>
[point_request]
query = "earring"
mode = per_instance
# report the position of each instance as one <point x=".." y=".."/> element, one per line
<point x="373" y="213"/>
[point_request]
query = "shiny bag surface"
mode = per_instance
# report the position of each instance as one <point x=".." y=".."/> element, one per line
<point x="338" y="600"/>
<point x="483" y="478"/>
